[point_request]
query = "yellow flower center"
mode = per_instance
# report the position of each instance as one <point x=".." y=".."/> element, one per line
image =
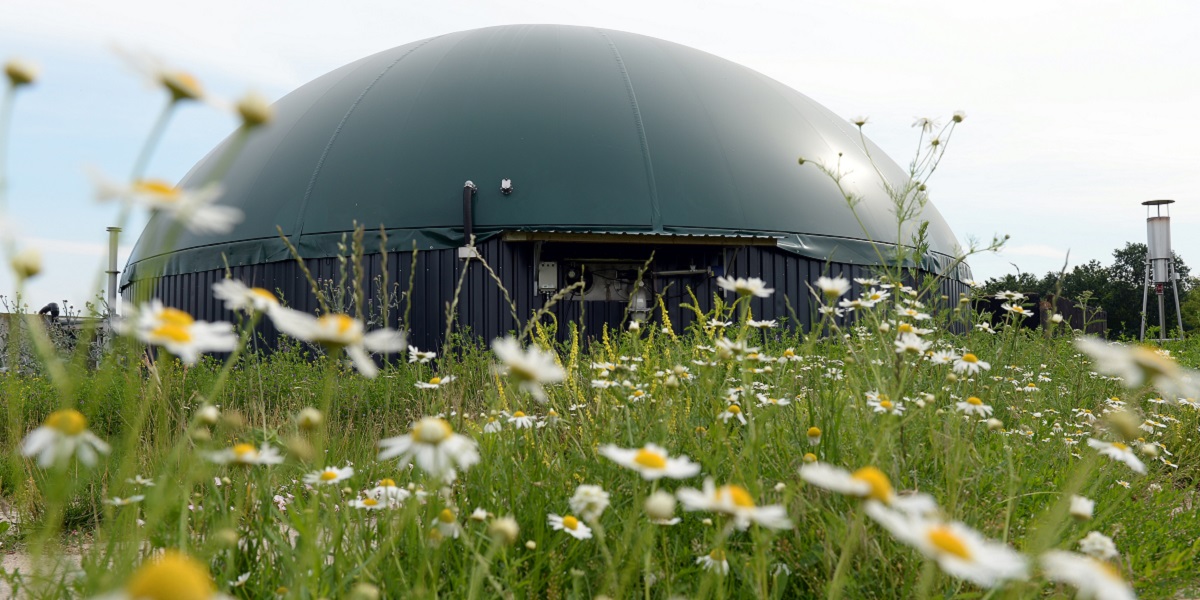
<point x="735" y="409"/>
<point x="244" y="451"/>
<point x="887" y="404"/>
<point x="182" y="85"/>
<point x="947" y="541"/>
<point x="570" y="522"/>
<point x="809" y="457"/>
<point x="518" y="415"/>
<point x="738" y="494"/>
<point x="387" y="483"/>
<point x="67" y="421"/>
<point x="552" y="413"/>
<point x="370" y="502"/>
<point x="905" y="328"/>
<point x="172" y="576"/>
<point x="157" y="187"/>
<point x="436" y="381"/>
<point x="1120" y="446"/>
<point x="431" y="430"/>
<point x="974" y="401"/>
<point x="880" y="486"/>
<point x="650" y="459"/>
<point x="446" y="516"/>
<point x="970" y="358"/>
<point x="814" y="432"/>
<point x="171" y="332"/>
<point x="788" y="353"/>
<point x="328" y="475"/>
<point x="717" y="555"/>
<point x="264" y="294"/>
<point x="174" y="316"/>
<point x="339" y="322"/>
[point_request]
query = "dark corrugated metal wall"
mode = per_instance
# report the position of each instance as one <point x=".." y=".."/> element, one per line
<point x="481" y="304"/>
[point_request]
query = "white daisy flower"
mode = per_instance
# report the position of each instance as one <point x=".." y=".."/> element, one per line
<point x="531" y="368"/>
<point x="943" y="357"/>
<point x="368" y="503"/>
<point x="1098" y="545"/>
<point x="867" y="482"/>
<point x="521" y="420"/>
<point x="733" y="412"/>
<point x="434" y="446"/>
<point x="764" y="400"/>
<point x="1119" y="452"/>
<point x="589" y="502"/>
<point x="246" y="454"/>
<point x="745" y="287"/>
<point x="63" y="434"/>
<point x="1017" y="309"/>
<point x="388" y="493"/>
<point x="959" y="550"/>
<point x="329" y="475"/>
<point x="714" y="561"/>
<point x="1093" y="579"/>
<point x="340" y="331"/>
<point x="832" y="288"/>
<point x="736" y="502"/>
<point x="492" y="426"/>
<point x="1010" y="296"/>
<point x="195" y="209"/>
<point x="911" y="344"/>
<point x="571" y="525"/>
<point x="139" y="480"/>
<point x="974" y="406"/>
<point x="415" y="355"/>
<point x="170" y="574"/>
<point x="830" y="310"/>
<point x="448" y="525"/>
<point x="762" y="324"/>
<point x="176" y="331"/>
<point x="970" y="364"/>
<point x="239" y="296"/>
<point x="1139" y="365"/>
<point x="651" y="461"/>
<point x="884" y="405"/>
<point x="434" y="382"/>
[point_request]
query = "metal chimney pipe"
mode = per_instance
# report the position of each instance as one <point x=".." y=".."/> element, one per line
<point x="114" y="235"/>
<point x="468" y="218"/>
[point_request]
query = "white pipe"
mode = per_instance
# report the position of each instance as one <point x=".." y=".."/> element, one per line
<point x="114" y="234"/>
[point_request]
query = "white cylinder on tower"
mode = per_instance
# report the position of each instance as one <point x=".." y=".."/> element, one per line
<point x="1158" y="240"/>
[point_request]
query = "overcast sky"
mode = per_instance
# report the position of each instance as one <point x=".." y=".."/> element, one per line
<point x="1077" y="111"/>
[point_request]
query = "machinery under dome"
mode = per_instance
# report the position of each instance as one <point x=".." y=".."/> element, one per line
<point x="588" y="150"/>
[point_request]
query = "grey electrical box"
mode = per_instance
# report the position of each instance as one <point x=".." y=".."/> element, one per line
<point x="547" y="276"/>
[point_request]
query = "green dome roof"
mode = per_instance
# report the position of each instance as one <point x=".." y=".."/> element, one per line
<point x="599" y="131"/>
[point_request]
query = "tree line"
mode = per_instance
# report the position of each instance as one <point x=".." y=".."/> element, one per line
<point x="1115" y="288"/>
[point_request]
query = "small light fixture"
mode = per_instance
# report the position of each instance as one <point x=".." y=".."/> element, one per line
<point x="506" y="186"/>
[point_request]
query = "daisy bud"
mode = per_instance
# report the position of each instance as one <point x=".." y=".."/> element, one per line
<point x="200" y="435"/>
<point x="859" y="121"/>
<point x="800" y="160"/>
<point x="309" y="418"/>
<point x="504" y="529"/>
<point x="672" y="381"/>
<point x="1056" y="318"/>
<point x="634" y="326"/>
<point x="707" y="522"/>
<point x="958" y="116"/>
<point x="1124" y="423"/>
<point x="995" y="425"/>
<point x="809" y="457"/>
<point x="779" y="487"/>
<point x="255" y="110"/>
<point x="364" y="591"/>
<point x="208" y="415"/>
<point x="1150" y="450"/>
<point x="20" y="72"/>
<point x="227" y="537"/>
<point x="531" y="545"/>
<point x="226" y="481"/>
<point x="300" y="448"/>
<point x="814" y="436"/>
<point x="884" y="327"/>
<point x="1081" y="508"/>
<point x="27" y="263"/>
<point x="951" y="377"/>
<point x="660" y="506"/>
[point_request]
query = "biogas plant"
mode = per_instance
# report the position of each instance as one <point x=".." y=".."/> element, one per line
<point x="601" y="169"/>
